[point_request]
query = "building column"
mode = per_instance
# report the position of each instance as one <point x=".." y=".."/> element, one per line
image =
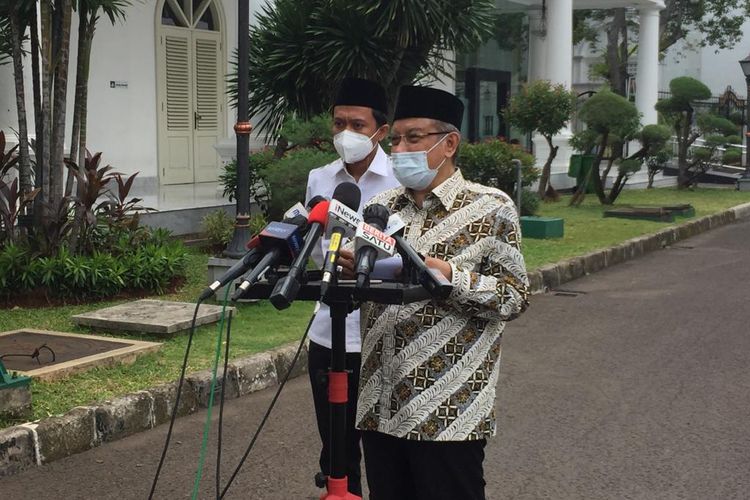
<point x="647" y="74"/>
<point x="560" y="42"/>
<point x="558" y="69"/>
<point x="537" y="46"/>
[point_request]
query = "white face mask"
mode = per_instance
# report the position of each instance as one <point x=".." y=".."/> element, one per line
<point x="353" y="147"/>
<point x="412" y="170"/>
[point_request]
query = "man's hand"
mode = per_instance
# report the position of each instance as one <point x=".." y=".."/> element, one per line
<point x="440" y="265"/>
<point x="346" y="261"/>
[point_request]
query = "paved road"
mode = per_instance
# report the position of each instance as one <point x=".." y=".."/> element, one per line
<point x="636" y="387"/>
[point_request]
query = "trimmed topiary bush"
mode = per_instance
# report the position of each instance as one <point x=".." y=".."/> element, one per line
<point x="491" y="163"/>
<point x="286" y="178"/>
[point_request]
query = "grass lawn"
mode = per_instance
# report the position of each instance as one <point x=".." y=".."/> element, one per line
<point x="259" y="327"/>
<point x="255" y="328"/>
<point x="587" y="230"/>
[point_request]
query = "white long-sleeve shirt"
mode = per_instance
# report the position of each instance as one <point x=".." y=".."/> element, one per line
<point x="322" y="182"/>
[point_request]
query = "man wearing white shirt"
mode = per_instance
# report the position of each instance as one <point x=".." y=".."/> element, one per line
<point x="359" y="124"/>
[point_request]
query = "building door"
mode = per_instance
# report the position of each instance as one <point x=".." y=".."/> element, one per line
<point x="190" y="91"/>
<point x="487" y="92"/>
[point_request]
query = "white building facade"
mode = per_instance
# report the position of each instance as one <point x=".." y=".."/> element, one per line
<point x="157" y="101"/>
<point x="157" y="93"/>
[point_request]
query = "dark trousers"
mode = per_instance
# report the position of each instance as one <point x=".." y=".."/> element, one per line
<point x="319" y="361"/>
<point x="402" y="469"/>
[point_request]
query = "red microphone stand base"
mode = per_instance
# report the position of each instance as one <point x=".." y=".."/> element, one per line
<point x="337" y="490"/>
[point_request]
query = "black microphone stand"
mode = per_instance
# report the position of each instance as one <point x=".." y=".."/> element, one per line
<point x="342" y="296"/>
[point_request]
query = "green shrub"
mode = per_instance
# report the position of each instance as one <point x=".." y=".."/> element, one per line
<point x="315" y="132"/>
<point x="14" y="259"/>
<point x="490" y="163"/>
<point x="218" y="227"/>
<point x="530" y="202"/>
<point x="733" y="139"/>
<point x="256" y="163"/>
<point x="287" y="178"/>
<point x="257" y="222"/>
<point x="732" y="156"/>
<point x="150" y="266"/>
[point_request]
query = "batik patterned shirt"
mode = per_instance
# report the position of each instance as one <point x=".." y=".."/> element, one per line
<point x="429" y="368"/>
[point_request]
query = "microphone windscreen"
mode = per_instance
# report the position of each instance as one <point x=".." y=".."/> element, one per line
<point x="319" y="213"/>
<point x="254" y="242"/>
<point x="349" y="194"/>
<point x="297" y="220"/>
<point x="314" y="201"/>
<point x="376" y="215"/>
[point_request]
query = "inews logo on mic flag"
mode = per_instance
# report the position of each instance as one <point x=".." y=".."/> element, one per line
<point x="344" y="214"/>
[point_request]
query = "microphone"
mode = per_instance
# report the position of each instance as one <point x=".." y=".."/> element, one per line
<point x="248" y="261"/>
<point x="314" y="201"/>
<point x="371" y="243"/>
<point x="286" y="288"/>
<point x="281" y="242"/>
<point x="431" y="279"/>
<point x="297" y="209"/>
<point x="343" y="220"/>
<point x="346" y="196"/>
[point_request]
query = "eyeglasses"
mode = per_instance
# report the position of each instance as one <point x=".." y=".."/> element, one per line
<point x="412" y="137"/>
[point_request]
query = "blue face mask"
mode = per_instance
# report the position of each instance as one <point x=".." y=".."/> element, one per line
<point x="412" y="170"/>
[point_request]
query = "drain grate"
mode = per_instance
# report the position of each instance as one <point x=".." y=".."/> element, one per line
<point x="567" y="293"/>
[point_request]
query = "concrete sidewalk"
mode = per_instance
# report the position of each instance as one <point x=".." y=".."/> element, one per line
<point x="629" y="383"/>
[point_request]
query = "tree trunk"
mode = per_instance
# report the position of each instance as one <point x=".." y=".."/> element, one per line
<point x="598" y="186"/>
<point x="24" y="159"/>
<point x="76" y="127"/>
<point x="47" y="79"/>
<point x="617" y="188"/>
<point x="605" y="174"/>
<point x="85" y="93"/>
<point x="617" y="52"/>
<point x="39" y="145"/>
<point x="682" y="151"/>
<point x="84" y="59"/>
<point x="546" y="170"/>
<point x="64" y="10"/>
<point x="580" y="193"/>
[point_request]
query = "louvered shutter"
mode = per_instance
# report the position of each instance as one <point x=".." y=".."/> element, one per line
<point x="176" y="108"/>
<point x="209" y="96"/>
<point x="178" y="83"/>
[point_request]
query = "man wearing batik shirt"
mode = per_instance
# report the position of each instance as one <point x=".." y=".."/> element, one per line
<point x="429" y="369"/>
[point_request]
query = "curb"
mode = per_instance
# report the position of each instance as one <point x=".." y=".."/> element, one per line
<point x="85" y="427"/>
<point x="550" y="276"/>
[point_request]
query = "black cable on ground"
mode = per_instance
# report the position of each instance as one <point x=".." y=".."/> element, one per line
<point x="221" y="407"/>
<point x="176" y="402"/>
<point x="270" y="408"/>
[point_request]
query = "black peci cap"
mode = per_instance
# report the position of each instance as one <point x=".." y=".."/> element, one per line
<point x="426" y="102"/>
<point x="359" y="92"/>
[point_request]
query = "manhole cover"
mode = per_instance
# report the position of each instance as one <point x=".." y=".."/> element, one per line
<point x="50" y="355"/>
<point x="151" y="316"/>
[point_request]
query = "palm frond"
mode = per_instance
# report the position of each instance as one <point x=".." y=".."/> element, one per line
<point x="301" y="49"/>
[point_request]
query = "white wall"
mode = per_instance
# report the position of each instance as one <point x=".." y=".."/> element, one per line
<point x="715" y="67"/>
<point x="121" y="121"/>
